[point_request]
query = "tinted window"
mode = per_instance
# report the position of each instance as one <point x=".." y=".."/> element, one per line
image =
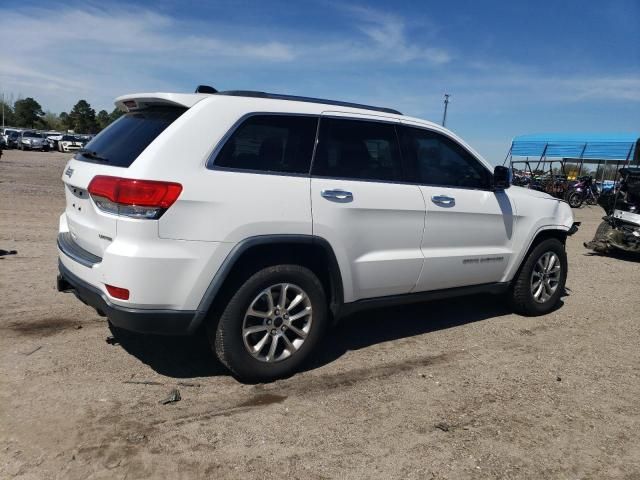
<point x="357" y="149"/>
<point x="271" y="143"/>
<point x="434" y="159"/>
<point x="121" y="142"/>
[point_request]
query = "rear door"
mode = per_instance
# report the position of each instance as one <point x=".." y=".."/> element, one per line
<point x="110" y="153"/>
<point x="373" y="221"/>
<point x="469" y="227"/>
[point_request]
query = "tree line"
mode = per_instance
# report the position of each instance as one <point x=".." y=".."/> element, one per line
<point x="28" y="113"/>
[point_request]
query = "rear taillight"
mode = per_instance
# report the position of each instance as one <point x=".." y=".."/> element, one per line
<point x="133" y="198"/>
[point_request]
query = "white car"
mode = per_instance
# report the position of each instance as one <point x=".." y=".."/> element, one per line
<point x="69" y="143"/>
<point x="263" y="218"/>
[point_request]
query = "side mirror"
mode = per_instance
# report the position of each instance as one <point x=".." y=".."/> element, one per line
<point x="501" y="178"/>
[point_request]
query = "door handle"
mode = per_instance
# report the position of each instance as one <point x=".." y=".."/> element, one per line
<point x="443" y="200"/>
<point x="340" y="195"/>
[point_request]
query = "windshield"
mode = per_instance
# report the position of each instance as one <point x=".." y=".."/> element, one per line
<point x="32" y="135"/>
<point x="126" y="138"/>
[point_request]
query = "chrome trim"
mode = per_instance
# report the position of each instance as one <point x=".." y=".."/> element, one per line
<point x="340" y="195"/>
<point x="75" y="252"/>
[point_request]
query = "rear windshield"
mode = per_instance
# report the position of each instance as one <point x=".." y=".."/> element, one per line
<point x="121" y="142"/>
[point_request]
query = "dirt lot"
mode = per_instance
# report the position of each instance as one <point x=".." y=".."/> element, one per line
<point x="453" y="389"/>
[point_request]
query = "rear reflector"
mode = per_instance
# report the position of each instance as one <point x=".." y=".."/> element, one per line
<point x="117" y="292"/>
<point x="133" y="198"/>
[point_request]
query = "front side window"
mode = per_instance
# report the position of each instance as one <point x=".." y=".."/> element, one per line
<point x="433" y="159"/>
<point x="357" y="149"/>
<point x="271" y="143"/>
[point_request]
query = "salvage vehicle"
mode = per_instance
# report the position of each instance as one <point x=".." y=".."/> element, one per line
<point x="262" y="218"/>
<point x="620" y="227"/>
<point x="30" y="140"/>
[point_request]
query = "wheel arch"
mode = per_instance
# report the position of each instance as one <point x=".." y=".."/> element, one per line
<point x="261" y="251"/>
<point x="543" y="233"/>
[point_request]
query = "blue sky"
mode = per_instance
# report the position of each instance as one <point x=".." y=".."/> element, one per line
<point x="511" y="67"/>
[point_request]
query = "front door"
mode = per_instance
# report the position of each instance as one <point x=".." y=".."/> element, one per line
<point x="469" y="227"/>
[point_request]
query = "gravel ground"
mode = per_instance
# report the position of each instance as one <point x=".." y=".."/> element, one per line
<point x="444" y="390"/>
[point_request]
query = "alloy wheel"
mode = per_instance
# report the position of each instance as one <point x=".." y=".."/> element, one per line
<point x="277" y="322"/>
<point x="545" y="277"/>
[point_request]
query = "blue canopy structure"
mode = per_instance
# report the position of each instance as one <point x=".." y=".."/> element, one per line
<point x="561" y="148"/>
<point x="596" y="146"/>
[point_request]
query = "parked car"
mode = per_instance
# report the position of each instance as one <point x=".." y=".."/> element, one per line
<point x="12" y="139"/>
<point x="69" y="143"/>
<point x="53" y="138"/>
<point x="6" y="134"/>
<point x="264" y="218"/>
<point x="30" y="140"/>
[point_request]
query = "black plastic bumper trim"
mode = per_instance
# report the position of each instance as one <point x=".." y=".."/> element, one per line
<point x="574" y="228"/>
<point x="159" y="322"/>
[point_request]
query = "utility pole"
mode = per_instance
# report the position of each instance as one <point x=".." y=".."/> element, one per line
<point x="446" y="104"/>
<point x="3" y="110"/>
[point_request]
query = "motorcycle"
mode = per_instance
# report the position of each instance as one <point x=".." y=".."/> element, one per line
<point x="620" y="228"/>
<point x="584" y="190"/>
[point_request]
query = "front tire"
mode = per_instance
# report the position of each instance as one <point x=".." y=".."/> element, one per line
<point x="540" y="283"/>
<point x="272" y="324"/>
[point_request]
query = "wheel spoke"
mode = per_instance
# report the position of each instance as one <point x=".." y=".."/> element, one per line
<point x="270" y="300"/>
<point x="258" y="346"/>
<point x="301" y="333"/>
<point x="303" y="313"/>
<point x="552" y="261"/>
<point x="256" y="313"/>
<point x="538" y="291"/>
<point x="295" y="302"/>
<point x="255" y="329"/>
<point x="290" y="346"/>
<point x="283" y="296"/>
<point x="272" y="348"/>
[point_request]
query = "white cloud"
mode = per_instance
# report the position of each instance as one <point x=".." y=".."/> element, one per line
<point x="387" y="36"/>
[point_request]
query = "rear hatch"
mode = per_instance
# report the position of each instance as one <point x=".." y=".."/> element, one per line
<point x="110" y="153"/>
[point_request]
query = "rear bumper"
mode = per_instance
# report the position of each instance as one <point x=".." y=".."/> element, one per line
<point x="161" y="322"/>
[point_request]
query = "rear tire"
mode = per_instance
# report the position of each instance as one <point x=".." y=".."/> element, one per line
<point x="539" y="284"/>
<point x="243" y="341"/>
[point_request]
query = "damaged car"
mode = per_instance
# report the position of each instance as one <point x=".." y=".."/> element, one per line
<point x="620" y="227"/>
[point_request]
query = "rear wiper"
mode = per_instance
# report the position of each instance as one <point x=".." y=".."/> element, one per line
<point x="92" y="155"/>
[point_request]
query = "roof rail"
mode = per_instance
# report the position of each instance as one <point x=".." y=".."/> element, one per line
<point x="295" y="98"/>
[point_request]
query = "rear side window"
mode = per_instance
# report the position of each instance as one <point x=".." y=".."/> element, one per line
<point x="271" y="143"/>
<point x="434" y="159"/>
<point x="357" y="149"/>
<point x="121" y="142"/>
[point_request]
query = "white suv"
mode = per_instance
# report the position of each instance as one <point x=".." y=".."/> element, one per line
<point x="264" y="217"/>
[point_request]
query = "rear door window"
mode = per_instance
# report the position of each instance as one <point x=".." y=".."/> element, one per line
<point x="358" y="150"/>
<point x="125" y="139"/>
<point x="271" y="143"/>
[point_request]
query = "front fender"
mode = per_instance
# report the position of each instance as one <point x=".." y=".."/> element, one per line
<point x="533" y="217"/>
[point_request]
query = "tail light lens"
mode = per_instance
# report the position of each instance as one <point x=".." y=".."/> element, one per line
<point x="133" y="198"/>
